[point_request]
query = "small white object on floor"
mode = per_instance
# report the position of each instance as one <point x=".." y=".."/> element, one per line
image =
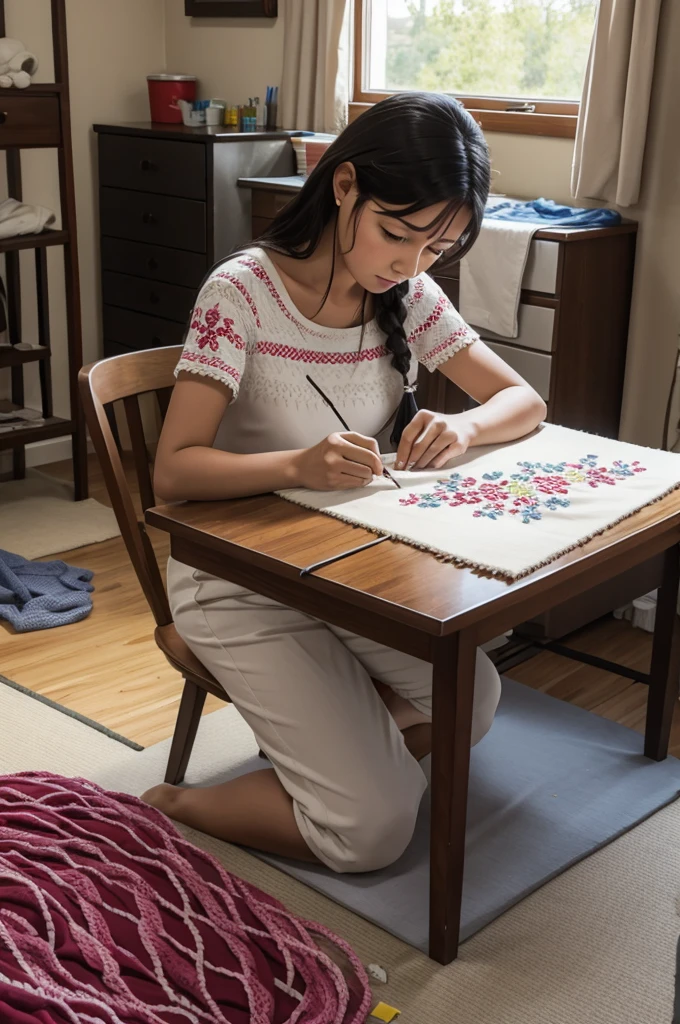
<point x="378" y="973"/>
<point x="640" y="613"/>
<point x="23" y="219"/>
<point x="491" y="276"/>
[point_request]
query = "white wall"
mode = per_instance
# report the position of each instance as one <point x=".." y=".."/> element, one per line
<point x="112" y="47"/>
<point x="234" y="58"/>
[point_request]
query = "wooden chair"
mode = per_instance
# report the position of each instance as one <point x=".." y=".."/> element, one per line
<point x="125" y="378"/>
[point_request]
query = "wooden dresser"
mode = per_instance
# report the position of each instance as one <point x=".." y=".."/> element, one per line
<point x="573" y="317"/>
<point x="169" y="207"/>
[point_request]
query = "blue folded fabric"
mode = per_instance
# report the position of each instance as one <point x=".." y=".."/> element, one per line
<point x="41" y="595"/>
<point x="548" y="212"/>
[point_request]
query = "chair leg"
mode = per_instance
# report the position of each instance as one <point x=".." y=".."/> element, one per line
<point x="186" y="727"/>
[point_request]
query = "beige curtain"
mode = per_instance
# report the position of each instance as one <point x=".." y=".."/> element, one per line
<point x="612" y="123"/>
<point x="315" y="81"/>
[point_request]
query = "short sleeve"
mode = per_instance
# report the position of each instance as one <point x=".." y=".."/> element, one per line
<point x="217" y="341"/>
<point x="434" y="327"/>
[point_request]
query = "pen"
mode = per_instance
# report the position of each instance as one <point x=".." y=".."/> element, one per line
<point x="328" y="402"/>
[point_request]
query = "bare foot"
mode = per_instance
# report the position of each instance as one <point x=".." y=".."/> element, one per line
<point x="163" y="797"/>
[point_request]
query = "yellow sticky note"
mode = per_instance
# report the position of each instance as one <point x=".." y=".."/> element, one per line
<point x="385" y="1012"/>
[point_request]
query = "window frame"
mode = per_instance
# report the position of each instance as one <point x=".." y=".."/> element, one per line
<point x="554" y="118"/>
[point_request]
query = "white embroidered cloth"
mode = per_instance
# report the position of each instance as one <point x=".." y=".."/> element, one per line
<point x="509" y="508"/>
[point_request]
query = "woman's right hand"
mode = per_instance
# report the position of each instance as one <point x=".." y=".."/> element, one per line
<point x="340" y="462"/>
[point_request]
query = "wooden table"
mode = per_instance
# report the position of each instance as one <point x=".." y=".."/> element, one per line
<point x="403" y="597"/>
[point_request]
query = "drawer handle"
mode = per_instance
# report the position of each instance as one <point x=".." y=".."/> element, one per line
<point x="154" y="299"/>
<point x="152" y="264"/>
<point x="148" y="218"/>
<point x="146" y="165"/>
<point x="3" y="116"/>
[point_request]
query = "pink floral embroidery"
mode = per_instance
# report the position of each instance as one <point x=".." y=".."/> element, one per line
<point x="417" y="293"/>
<point x="537" y="488"/>
<point x="240" y="287"/>
<point x="272" y="348"/>
<point x="210" y="330"/>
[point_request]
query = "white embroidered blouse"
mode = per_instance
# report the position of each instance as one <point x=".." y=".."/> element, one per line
<point x="246" y="333"/>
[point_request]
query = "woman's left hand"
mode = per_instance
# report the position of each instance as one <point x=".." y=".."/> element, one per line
<point x="431" y="439"/>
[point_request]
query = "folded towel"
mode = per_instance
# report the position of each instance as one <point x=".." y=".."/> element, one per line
<point x="22" y="219"/>
<point x="41" y="595"/>
<point x="491" y="276"/>
<point x="550" y="213"/>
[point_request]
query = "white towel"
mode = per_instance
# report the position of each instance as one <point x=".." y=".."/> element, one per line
<point x="491" y="276"/>
<point x="22" y="219"/>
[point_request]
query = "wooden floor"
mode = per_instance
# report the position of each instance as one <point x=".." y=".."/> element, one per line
<point x="108" y="667"/>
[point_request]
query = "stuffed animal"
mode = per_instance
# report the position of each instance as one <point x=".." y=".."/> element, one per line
<point x="16" y="64"/>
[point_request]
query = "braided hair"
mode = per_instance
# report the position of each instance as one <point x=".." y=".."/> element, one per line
<point x="412" y="150"/>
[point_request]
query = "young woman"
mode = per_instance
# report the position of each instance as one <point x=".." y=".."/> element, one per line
<point x="335" y="290"/>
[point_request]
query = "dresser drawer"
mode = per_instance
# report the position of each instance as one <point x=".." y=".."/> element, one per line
<point x="138" y="331"/>
<point x="540" y="272"/>
<point x="266" y="203"/>
<point x="535" y="328"/>
<point x="170" y="301"/>
<point x="163" y="220"/>
<point x="112" y="348"/>
<point x="155" y="262"/>
<point x="29" y="121"/>
<point x="533" y="366"/>
<point x="152" y="165"/>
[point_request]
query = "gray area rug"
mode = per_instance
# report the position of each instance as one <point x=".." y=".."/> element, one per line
<point x="549" y="785"/>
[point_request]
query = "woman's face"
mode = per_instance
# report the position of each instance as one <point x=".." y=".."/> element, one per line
<point x="381" y="251"/>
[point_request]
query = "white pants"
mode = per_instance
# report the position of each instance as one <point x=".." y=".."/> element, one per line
<point x="305" y="689"/>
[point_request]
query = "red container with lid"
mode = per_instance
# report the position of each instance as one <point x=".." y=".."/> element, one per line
<point x="164" y="91"/>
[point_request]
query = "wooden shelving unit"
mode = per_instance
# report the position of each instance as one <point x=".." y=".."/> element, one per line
<point x="34" y="118"/>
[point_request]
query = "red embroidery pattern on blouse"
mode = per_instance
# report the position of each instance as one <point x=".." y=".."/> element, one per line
<point x="214" y="362"/>
<point x="416" y="294"/>
<point x="210" y="330"/>
<point x="272" y="348"/>
<point x="434" y="318"/>
<point x="462" y="332"/>
<point x="239" y="285"/>
<point x="262" y="275"/>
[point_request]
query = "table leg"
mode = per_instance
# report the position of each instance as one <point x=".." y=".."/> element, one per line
<point x="664" y="676"/>
<point x="453" y="673"/>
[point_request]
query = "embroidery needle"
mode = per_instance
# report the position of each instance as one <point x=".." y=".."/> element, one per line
<point x="344" y="554"/>
<point x="328" y="402"/>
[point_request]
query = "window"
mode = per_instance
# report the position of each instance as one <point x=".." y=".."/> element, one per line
<point x="518" y="64"/>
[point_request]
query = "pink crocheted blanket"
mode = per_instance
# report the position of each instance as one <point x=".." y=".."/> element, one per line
<point x="108" y="915"/>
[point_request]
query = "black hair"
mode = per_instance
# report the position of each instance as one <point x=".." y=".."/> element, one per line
<point x="411" y="150"/>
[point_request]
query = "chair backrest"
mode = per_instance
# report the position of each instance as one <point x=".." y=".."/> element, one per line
<point x="124" y="378"/>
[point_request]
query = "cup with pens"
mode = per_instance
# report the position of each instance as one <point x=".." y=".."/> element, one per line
<point x="271" y="107"/>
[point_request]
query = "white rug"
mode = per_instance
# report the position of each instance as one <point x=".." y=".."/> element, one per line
<point x="509" y="508"/>
<point x="594" y="946"/>
<point x="38" y="517"/>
